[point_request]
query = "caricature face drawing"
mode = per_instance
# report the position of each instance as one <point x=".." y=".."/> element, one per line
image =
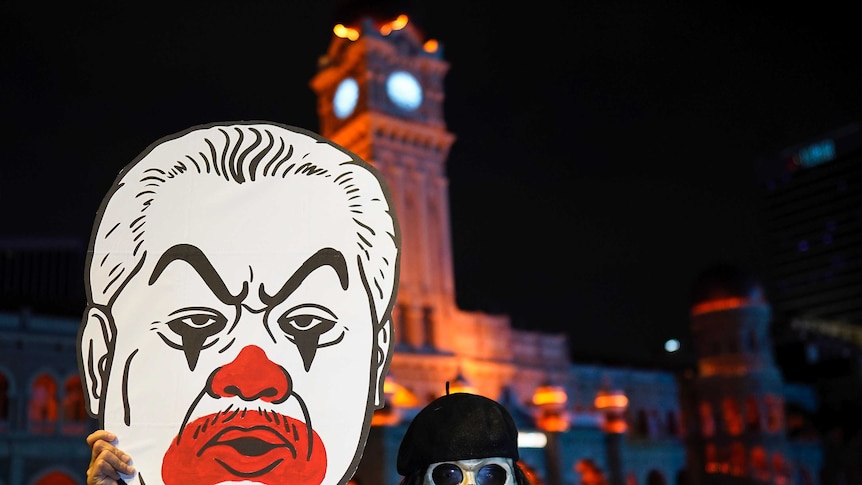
<point x="241" y="278"/>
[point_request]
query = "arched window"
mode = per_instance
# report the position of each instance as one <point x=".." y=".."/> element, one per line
<point x="74" y="408"/>
<point x="724" y="459"/>
<point x="711" y="458"/>
<point x="73" y="400"/>
<point x="428" y="326"/>
<point x="654" y="477"/>
<point x="42" y="408"/>
<point x="805" y="477"/>
<point x="641" y="425"/>
<point x="683" y="477"/>
<point x="672" y="424"/>
<point x="4" y="399"/>
<point x="752" y="414"/>
<point x="781" y="468"/>
<point x="707" y="421"/>
<point x="732" y="416"/>
<point x="759" y="463"/>
<point x="732" y="346"/>
<point x="774" y="413"/>
<point x="654" y="423"/>
<point x="753" y="343"/>
<point x="738" y="459"/>
<point x="398" y="323"/>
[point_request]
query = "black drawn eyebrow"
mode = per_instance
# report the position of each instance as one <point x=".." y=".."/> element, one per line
<point x="324" y="257"/>
<point x="195" y="258"/>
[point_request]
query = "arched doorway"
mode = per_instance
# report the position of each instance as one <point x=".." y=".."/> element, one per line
<point x="42" y="408"/>
<point x="654" y="477"/>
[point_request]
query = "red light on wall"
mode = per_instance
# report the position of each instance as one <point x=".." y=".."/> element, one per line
<point x="718" y="305"/>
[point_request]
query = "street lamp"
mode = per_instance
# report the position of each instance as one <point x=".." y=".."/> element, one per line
<point x="553" y="418"/>
<point x="613" y="404"/>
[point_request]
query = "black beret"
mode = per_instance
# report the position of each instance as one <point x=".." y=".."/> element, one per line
<point x="458" y="426"/>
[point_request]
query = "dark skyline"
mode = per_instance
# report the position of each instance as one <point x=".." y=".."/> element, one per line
<point x="605" y="151"/>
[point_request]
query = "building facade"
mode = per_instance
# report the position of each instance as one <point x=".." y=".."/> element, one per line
<point x="813" y="219"/>
<point x="621" y="425"/>
<point x="43" y="421"/>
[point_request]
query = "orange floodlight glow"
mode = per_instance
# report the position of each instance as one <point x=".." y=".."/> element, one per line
<point x="404" y="398"/>
<point x="464" y="387"/>
<point x="552" y="423"/>
<point x="431" y="46"/>
<point x="382" y="418"/>
<point x="390" y="386"/>
<point x="545" y="395"/>
<point x="398" y="395"/>
<point x="618" y="427"/>
<point x="399" y="23"/>
<point x="718" y="305"/>
<point x="345" y="32"/>
<point x="606" y="401"/>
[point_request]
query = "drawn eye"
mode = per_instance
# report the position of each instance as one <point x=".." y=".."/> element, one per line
<point x="194" y="326"/>
<point x="306" y="319"/>
<point x="307" y="327"/>
<point x="202" y="320"/>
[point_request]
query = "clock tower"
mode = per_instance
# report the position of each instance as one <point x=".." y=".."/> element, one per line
<point x="380" y="95"/>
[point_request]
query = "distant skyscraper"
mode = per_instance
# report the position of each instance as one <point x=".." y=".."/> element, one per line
<point x="813" y="273"/>
<point x="813" y="222"/>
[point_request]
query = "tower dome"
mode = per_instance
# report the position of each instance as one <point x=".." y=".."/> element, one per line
<point x="724" y="282"/>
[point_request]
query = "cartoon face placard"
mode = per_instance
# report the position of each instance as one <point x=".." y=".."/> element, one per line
<point x="240" y="282"/>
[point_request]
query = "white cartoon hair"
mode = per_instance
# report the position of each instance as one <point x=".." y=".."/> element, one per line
<point x="241" y="153"/>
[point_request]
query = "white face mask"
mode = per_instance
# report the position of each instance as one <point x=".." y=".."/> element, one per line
<point x="482" y="471"/>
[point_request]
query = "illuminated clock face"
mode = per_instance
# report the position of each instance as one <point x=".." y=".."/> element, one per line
<point x="404" y="90"/>
<point x="346" y="95"/>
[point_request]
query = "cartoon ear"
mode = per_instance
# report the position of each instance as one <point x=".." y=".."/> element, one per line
<point x="96" y="346"/>
<point x="384" y="347"/>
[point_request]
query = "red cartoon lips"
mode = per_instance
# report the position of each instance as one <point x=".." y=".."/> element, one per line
<point x="247" y="443"/>
<point x="255" y="445"/>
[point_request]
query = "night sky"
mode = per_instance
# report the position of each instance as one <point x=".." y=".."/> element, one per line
<point x="605" y="150"/>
